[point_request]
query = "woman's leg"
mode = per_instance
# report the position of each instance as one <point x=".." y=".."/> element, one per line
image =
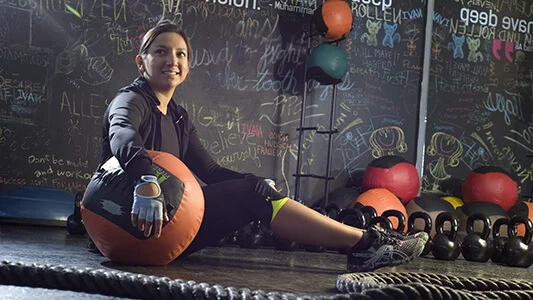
<point x="299" y="223"/>
<point x="233" y="204"/>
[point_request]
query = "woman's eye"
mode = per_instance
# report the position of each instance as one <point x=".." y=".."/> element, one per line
<point x="159" y="51"/>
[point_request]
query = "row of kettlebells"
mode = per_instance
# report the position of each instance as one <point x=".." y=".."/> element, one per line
<point x="513" y="250"/>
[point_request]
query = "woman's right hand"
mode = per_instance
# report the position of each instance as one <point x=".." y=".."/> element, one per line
<point x="148" y="206"/>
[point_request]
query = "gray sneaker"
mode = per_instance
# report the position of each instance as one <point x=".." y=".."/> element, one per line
<point x="402" y="236"/>
<point x="385" y="251"/>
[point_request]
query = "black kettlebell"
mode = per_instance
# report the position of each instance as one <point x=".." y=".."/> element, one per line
<point x="427" y="228"/>
<point x="381" y="221"/>
<point x="368" y="212"/>
<point x="250" y="236"/>
<point x="315" y="248"/>
<point x="75" y="224"/>
<point x="399" y="216"/>
<point x="351" y="217"/>
<point x="284" y="244"/>
<point x="516" y="249"/>
<point x="476" y="246"/>
<point x="332" y="210"/>
<point x="444" y="245"/>
<point x="498" y="241"/>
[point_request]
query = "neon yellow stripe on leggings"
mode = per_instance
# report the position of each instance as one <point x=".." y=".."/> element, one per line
<point x="276" y="206"/>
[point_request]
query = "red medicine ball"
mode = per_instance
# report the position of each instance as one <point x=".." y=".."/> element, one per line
<point x="490" y="184"/>
<point x="395" y="174"/>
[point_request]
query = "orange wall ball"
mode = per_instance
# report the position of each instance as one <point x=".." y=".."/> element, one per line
<point x="333" y="19"/>
<point x="107" y="205"/>
<point x="381" y="200"/>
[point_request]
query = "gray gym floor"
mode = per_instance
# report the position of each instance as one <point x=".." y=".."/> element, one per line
<point x="265" y="269"/>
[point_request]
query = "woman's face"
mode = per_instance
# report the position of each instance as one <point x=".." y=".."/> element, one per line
<point x="165" y="65"/>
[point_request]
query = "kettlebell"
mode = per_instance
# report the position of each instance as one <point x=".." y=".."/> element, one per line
<point x="399" y="216"/>
<point x="498" y="241"/>
<point x="284" y="244"/>
<point x="444" y="245"/>
<point x="250" y="236"/>
<point x="427" y="228"/>
<point x="74" y="221"/>
<point x="332" y="210"/>
<point x="315" y="248"/>
<point x="476" y="246"/>
<point x="351" y="217"/>
<point x="382" y="221"/>
<point x="516" y="249"/>
<point x="369" y="213"/>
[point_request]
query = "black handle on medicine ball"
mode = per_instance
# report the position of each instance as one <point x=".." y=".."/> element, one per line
<point x="75" y="224"/>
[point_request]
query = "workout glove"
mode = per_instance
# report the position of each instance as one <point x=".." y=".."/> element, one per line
<point x="147" y="210"/>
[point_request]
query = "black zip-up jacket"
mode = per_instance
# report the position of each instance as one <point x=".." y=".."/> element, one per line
<point x="132" y="125"/>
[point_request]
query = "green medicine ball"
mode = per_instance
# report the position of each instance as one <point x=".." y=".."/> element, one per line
<point x="327" y="64"/>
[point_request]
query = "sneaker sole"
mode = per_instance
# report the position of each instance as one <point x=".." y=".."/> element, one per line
<point x="368" y="268"/>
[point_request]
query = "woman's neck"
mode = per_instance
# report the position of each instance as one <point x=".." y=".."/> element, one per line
<point x="164" y="99"/>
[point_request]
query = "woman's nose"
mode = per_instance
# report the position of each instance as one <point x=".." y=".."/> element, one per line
<point x="172" y="60"/>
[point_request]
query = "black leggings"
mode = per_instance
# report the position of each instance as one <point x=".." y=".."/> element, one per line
<point x="231" y="205"/>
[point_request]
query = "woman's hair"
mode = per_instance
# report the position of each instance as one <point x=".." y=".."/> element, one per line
<point x="162" y="27"/>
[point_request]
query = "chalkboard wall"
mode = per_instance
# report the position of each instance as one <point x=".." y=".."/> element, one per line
<point x="481" y="92"/>
<point x="62" y="61"/>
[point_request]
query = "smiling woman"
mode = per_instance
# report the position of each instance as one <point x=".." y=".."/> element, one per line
<point x="143" y="117"/>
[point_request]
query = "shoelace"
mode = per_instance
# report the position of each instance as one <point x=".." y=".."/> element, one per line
<point x="384" y="238"/>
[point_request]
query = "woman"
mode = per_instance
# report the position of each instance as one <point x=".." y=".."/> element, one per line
<point x="143" y="117"/>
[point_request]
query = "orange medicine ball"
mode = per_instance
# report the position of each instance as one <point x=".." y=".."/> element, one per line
<point x="106" y="212"/>
<point x="381" y="200"/>
<point x="333" y="19"/>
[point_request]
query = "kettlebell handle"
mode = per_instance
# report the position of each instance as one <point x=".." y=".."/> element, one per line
<point x="481" y="217"/>
<point x="497" y="225"/>
<point x="514" y="221"/>
<point x="369" y="213"/>
<point x="447" y="217"/>
<point x="382" y="221"/>
<point x="419" y="215"/>
<point x="398" y="215"/>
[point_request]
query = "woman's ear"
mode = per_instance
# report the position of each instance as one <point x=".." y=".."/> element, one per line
<point x="139" y="63"/>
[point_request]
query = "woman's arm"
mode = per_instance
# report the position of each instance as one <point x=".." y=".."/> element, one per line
<point x="125" y="115"/>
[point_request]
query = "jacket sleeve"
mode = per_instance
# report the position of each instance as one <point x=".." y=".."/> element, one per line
<point x="126" y="113"/>
<point x="203" y="165"/>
